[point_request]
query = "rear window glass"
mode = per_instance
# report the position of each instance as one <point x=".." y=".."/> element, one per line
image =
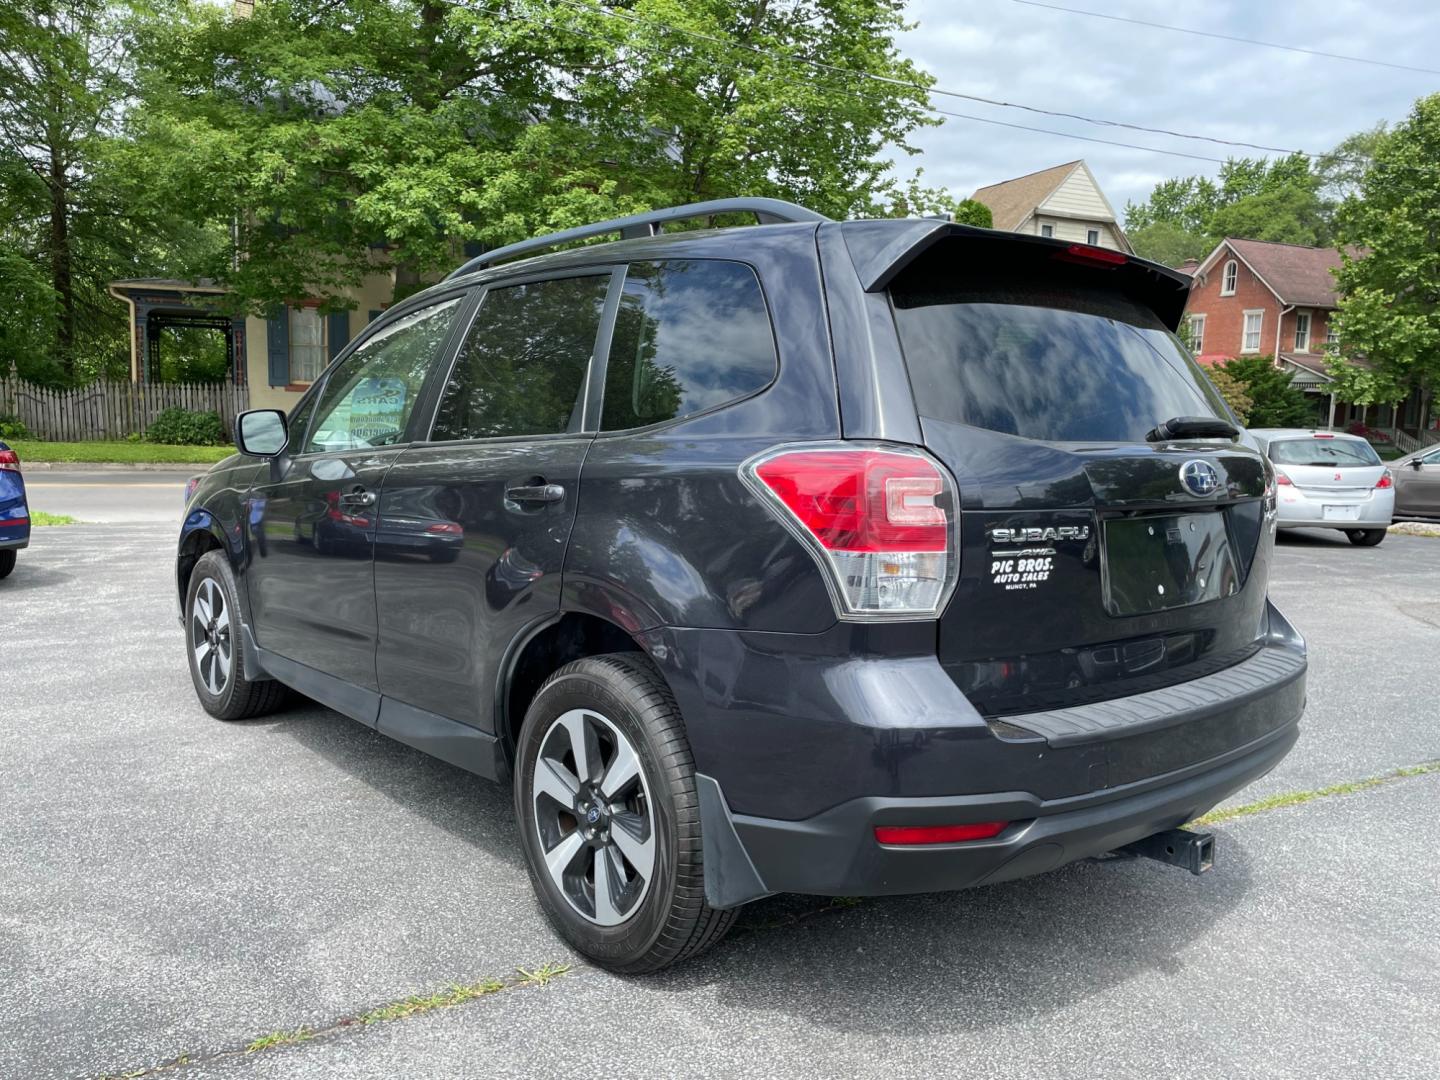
<point x="1333" y="452"/>
<point x="1044" y="352"/>
<point x="691" y="335"/>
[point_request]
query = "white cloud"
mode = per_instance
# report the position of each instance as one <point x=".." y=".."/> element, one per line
<point x="1140" y="75"/>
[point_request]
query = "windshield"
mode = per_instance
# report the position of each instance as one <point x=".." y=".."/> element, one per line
<point x="1060" y="360"/>
<point x="1333" y="453"/>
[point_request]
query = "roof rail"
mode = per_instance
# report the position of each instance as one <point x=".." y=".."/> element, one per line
<point x="766" y="211"/>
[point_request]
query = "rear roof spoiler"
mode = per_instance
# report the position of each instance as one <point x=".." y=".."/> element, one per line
<point x="880" y="250"/>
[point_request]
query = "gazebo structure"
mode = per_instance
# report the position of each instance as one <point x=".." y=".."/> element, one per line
<point x="157" y="303"/>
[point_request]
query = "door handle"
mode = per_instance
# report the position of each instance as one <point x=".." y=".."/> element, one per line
<point x="536" y="493"/>
<point x="358" y="497"/>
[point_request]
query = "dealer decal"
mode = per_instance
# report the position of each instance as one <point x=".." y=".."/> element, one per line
<point x="1028" y="568"/>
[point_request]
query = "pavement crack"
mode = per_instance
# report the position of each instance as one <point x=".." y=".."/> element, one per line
<point x="400" y="1009"/>
<point x="1296" y="798"/>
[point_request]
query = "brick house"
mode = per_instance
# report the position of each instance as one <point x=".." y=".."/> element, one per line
<point x="1251" y="297"/>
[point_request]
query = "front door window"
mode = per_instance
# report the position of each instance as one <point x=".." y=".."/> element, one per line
<point x="369" y="397"/>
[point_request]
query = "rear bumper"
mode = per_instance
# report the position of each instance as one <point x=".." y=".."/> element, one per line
<point x="1305" y="509"/>
<point x="836" y="854"/>
<point x="1071" y="783"/>
<point x="9" y="541"/>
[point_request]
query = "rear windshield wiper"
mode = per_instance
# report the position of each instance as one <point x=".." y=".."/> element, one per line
<point x="1192" y="427"/>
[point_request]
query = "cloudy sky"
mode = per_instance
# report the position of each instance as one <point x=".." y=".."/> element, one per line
<point x="1115" y="71"/>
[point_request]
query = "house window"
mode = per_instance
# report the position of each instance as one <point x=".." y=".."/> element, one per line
<point x="1302" y="331"/>
<point x="1195" y="334"/>
<point x="1047" y="230"/>
<point x="1251" y="340"/>
<point x="1332" y="335"/>
<point x="1092" y="237"/>
<point x="307" y="344"/>
<point x="1228" y="278"/>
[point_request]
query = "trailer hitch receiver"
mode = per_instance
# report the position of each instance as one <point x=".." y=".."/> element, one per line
<point x="1194" y="851"/>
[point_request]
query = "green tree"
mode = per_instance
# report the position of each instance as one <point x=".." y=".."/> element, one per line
<point x="1390" y="303"/>
<point x="1257" y="199"/>
<point x="345" y="137"/>
<point x="1169" y="243"/>
<point x="74" y="209"/>
<point x="1274" y="402"/>
<point x="1235" y="393"/>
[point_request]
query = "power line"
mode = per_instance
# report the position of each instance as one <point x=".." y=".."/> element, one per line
<point x="600" y="9"/>
<point x="1228" y="37"/>
<point x="464" y="5"/>
<point x="1067" y="135"/>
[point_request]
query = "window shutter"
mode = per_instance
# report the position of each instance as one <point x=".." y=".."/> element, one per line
<point x="337" y="334"/>
<point x="277" y="346"/>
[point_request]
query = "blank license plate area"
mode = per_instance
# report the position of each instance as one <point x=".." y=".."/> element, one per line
<point x="1341" y="513"/>
<point x="1168" y="561"/>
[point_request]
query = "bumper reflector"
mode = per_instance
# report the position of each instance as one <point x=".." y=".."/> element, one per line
<point x="937" y="834"/>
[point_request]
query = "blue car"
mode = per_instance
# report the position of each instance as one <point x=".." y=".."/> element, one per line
<point x="14" y="513"/>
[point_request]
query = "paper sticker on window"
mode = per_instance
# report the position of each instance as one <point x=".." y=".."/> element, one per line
<point x="377" y="411"/>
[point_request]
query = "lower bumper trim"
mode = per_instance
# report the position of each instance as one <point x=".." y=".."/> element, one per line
<point x="835" y="853"/>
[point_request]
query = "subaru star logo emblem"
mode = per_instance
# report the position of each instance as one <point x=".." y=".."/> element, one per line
<point x="1199" y="478"/>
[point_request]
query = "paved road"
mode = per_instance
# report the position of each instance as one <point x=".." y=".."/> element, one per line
<point x="108" y="496"/>
<point x="172" y="885"/>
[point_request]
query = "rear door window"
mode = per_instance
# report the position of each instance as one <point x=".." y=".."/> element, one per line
<point x="691" y="335"/>
<point x="1043" y="352"/>
<point x="1337" y="453"/>
<point x="523" y="363"/>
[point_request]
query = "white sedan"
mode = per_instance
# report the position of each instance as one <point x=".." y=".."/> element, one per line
<point x="1329" y="480"/>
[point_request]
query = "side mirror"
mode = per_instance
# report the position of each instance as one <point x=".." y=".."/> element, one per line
<point x="261" y="432"/>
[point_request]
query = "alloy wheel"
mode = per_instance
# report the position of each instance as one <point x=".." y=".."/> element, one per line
<point x="210" y="637"/>
<point x="594" y="817"/>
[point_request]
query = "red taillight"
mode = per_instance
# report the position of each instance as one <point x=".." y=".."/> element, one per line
<point x="1385" y="481"/>
<point x="9" y="461"/>
<point x="1283" y="480"/>
<point x="1323" y="435"/>
<point x="861" y="500"/>
<point x="7" y="522"/>
<point x="876" y="518"/>
<point x="938" y="834"/>
<point x="448" y="527"/>
<point x="1095" y="256"/>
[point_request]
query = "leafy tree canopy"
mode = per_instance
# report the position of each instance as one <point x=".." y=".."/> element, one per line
<point x="1390" y="307"/>
<point x="346" y="137"/>
<point x="1277" y="200"/>
<point x="1273" y="401"/>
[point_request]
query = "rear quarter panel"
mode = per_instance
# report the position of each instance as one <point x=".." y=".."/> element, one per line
<point x="667" y="533"/>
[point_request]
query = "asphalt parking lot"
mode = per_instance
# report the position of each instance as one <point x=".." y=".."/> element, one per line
<point x="173" y="888"/>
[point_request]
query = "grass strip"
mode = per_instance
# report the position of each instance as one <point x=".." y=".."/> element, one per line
<point x="403" y="1009"/>
<point x="40" y="517"/>
<point x="1296" y="798"/>
<point x="117" y="453"/>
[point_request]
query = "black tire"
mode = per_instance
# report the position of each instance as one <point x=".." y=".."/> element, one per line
<point x="240" y="697"/>
<point x="671" y="920"/>
<point x="1365" y="537"/>
<point x="7" y="562"/>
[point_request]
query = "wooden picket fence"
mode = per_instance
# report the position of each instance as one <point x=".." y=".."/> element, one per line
<point x="113" y="409"/>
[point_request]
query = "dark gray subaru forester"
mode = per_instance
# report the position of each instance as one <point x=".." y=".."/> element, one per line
<point x="843" y="558"/>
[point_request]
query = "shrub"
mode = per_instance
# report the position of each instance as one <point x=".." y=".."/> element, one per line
<point x="12" y="428"/>
<point x="181" y="427"/>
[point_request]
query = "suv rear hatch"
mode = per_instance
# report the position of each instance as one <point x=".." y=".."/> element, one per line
<point x="1094" y="562"/>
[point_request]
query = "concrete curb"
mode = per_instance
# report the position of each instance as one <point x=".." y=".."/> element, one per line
<point x="1415" y="528"/>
